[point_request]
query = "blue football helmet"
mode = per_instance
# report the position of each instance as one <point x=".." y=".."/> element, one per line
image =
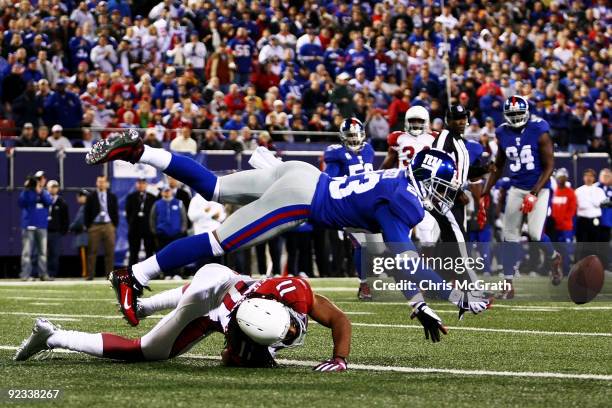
<point x="352" y="134"/>
<point x="434" y="174"/>
<point x="516" y="111"/>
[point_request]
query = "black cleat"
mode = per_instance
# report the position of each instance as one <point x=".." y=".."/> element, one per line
<point x="126" y="146"/>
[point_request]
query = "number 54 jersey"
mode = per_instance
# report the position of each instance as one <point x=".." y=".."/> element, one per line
<point x="522" y="151"/>
<point x="380" y="201"/>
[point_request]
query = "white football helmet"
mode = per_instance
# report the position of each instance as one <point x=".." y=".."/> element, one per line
<point x="270" y="323"/>
<point x="416" y="121"/>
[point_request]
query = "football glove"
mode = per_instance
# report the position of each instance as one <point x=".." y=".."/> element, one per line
<point x="528" y="203"/>
<point x="432" y="324"/>
<point x="333" y="364"/>
<point x="481" y="218"/>
<point x="474" y="303"/>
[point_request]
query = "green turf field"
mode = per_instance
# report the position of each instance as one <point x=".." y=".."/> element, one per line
<point x="521" y="353"/>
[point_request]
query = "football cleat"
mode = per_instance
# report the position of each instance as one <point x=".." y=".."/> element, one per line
<point x="557" y="272"/>
<point x="127" y="289"/>
<point x="364" y="293"/>
<point x="507" y="294"/>
<point x="126" y="146"/>
<point x="37" y="342"/>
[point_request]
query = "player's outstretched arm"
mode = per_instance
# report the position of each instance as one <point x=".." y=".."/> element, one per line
<point x="329" y="315"/>
<point x="390" y="161"/>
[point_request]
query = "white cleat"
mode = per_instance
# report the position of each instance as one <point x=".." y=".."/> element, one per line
<point x="37" y="341"/>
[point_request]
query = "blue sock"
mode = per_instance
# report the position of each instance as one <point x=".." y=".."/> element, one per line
<point x="512" y="255"/>
<point x="185" y="251"/>
<point x="357" y="261"/>
<point x="547" y="245"/>
<point x="192" y="173"/>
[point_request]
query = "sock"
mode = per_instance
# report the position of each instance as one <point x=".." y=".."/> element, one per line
<point x="357" y="261"/>
<point x="512" y="255"/>
<point x="178" y="254"/>
<point x="120" y="348"/>
<point x="196" y="176"/>
<point x="146" y="270"/>
<point x="158" y="158"/>
<point x="423" y="274"/>
<point x="168" y="299"/>
<point x="547" y="245"/>
<point x="90" y="343"/>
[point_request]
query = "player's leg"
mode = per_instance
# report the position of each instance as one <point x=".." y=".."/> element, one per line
<point x="173" y="335"/>
<point x="285" y="205"/>
<point x="511" y="232"/>
<point x="168" y="299"/>
<point x="358" y="239"/>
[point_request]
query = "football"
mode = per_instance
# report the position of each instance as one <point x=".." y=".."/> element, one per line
<point x="585" y="280"/>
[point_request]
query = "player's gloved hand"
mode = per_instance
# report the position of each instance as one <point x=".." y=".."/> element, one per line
<point x="333" y="364"/>
<point x="432" y="324"/>
<point x="471" y="302"/>
<point x="483" y="206"/>
<point x="528" y="203"/>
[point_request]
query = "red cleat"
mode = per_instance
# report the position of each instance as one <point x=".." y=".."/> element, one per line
<point x="557" y="272"/>
<point x="127" y="289"/>
<point x="364" y="293"/>
<point x="507" y="294"/>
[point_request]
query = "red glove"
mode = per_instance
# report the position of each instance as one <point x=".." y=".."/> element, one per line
<point x="481" y="218"/>
<point x="333" y="364"/>
<point x="528" y="203"/>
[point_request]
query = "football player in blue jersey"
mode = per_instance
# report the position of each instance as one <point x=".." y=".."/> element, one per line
<point x="354" y="156"/>
<point x="281" y="197"/>
<point x="527" y="149"/>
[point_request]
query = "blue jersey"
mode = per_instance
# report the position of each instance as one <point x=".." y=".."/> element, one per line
<point x="242" y="49"/>
<point x="522" y="150"/>
<point x="380" y="201"/>
<point x="339" y="161"/>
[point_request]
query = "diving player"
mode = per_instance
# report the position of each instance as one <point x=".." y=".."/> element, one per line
<point x="525" y="145"/>
<point x="354" y="156"/>
<point x="280" y="198"/>
<point x="257" y="317"/>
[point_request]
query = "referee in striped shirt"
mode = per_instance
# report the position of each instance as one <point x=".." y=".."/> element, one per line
<point x="452" y="224"/>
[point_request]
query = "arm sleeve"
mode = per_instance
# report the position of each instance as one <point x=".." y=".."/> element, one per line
<point x="46" y="198"/>
<point x="153" y="221"/>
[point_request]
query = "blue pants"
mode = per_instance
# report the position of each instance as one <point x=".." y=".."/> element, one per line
<point x="565" y="247"/>
<point x="481" y="241"/>
<point x="54" y="247"/>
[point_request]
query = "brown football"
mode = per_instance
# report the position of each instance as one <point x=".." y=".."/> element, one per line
<point x="585" y="279"/>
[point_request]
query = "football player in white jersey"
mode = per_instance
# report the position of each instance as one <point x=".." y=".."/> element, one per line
<point x="403" y="146"/>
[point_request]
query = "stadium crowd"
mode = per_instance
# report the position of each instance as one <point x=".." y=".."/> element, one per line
<point x="221" y="72"/>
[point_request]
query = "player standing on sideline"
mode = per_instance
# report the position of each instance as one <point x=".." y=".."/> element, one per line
<point x="257" y="317"/>
<point x="282" y="197"/>
<point x="354" y="156"/>
<point x="525" y="144"/>
<point x="564" y="207"/>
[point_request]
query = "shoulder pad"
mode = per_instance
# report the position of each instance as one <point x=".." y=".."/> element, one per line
<point x="392" y="138"/>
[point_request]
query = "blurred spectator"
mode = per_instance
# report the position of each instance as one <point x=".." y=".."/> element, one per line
<point x="138" y="205"/>
<point x="210" y="141"/>
<point x="101" y="220"/>
<point x="233" y="142"/>
<point x="151" y="140"/>
<point x="43" y="137"/>
<point x="243" y="50"/>
<point x="57" y="140"/>
<point x="27" y="138"/>
<point x="563" y="212"/>
<point x="491" y="105"/>
<point x="13" y="85"/>
<point x="473" y="131"/>
<point x="78" y="228"/>
<point x="168" y="220"/>
<point x="589" y="198"/>
<point x="206" y="216"/>
<point x="342" y="95"/>
<point x="183" y="143"/>
<point x="64" y="108"/>
<point x="580" y="130"/>
<point x="86" y="141"/>
<point x="104" y="55"/>
<point x="34" y="202"/>
<point x="378" y="130"/>
<point x="56" y="229"/>
<point x="605" y="183"/>
<point x="179" y="191"/>
<point x="26" y="108"/>
<point x="558" y="116"/>
<point x="195" y="54"/>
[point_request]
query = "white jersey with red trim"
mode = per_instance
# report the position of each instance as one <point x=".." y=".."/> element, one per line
<point x="407" y="145"/>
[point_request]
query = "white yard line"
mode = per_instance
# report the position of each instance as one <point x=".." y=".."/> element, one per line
<point x="45" y="304"/>
<point x="561" y="306"/>
<point x="487" y="329"/>
<point x="66" y="300"/>
<point x="383" y="325"/>
<point x="413" y="370"/>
